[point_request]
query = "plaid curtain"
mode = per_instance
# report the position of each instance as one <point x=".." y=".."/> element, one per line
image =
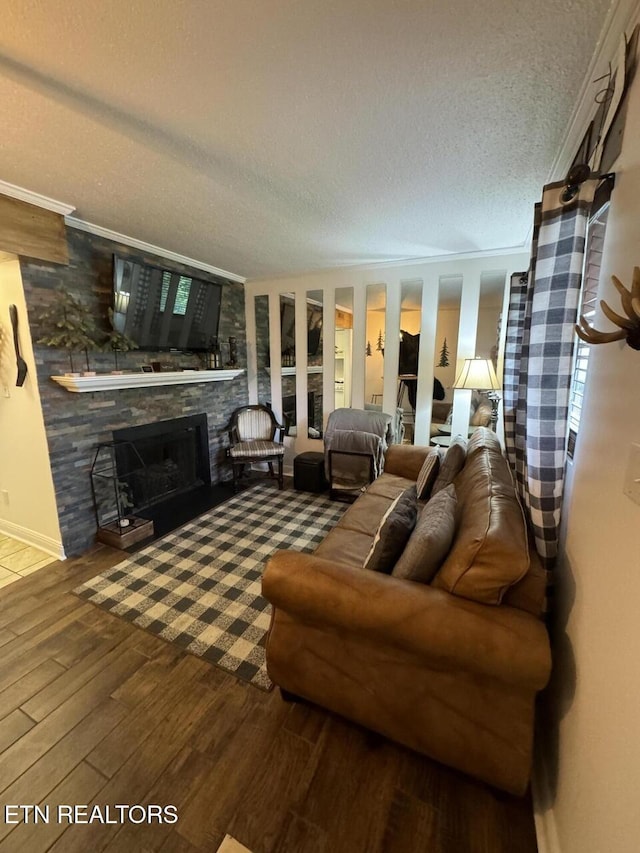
<point x="543" y="308"/>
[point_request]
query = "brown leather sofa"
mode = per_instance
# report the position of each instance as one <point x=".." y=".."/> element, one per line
<point x="451" y="675"/>
<point x="479" y="415"/>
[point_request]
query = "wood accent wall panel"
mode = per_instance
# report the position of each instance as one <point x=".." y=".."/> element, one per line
<point x="32" y="232"/>
<point x="344" y="320"/>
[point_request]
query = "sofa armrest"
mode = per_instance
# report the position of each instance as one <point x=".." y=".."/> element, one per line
<point x="447" y="631"/>
<point x="405" y="460"/>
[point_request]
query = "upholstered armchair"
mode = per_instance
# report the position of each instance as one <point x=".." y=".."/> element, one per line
<point x="255" y="436"/>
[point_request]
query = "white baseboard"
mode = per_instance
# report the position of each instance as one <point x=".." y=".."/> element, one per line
<point x="30" y="537"/>
<point x="543" y="814"/>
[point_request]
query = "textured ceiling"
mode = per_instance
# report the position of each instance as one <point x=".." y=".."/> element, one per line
<point x="274" y="136"/>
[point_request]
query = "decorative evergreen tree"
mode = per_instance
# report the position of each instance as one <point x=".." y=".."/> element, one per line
<point x="68" y="324"/>
<point x="117" y="341"/>
<point x="380" y="344"/>
<point x="444" y="355"/>
<point x="369" y="348"/>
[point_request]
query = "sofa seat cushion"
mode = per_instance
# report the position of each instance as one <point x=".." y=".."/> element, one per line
<point x="256" y="447"/>
<point x="345" y="546"/>
<point x="390" y="486"/>
<point x="365" y="514"/>
<point x="431" y="539"/>
<point x="489" y="552"/>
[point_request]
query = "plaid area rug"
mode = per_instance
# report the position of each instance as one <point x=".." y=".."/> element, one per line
<point x="199" y="586"/>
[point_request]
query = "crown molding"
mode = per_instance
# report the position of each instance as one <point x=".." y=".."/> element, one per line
<point x="148" y="248"/>
<point x="619" y="20"/>
<point x="38" y="200"/>
<point x="66" y="210"/>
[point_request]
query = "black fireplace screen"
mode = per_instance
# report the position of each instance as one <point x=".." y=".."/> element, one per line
<point x="175" y="455"/>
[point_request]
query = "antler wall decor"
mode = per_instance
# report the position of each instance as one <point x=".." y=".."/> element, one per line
<point x="629" y="326"/>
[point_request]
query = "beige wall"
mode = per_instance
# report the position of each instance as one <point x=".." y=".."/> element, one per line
<point x="374" y="365"/>
<point x="27" y="502"/>
<point x="594" y="764"/>
<point x="487" y="330"/>
<point x="448" y="322"/>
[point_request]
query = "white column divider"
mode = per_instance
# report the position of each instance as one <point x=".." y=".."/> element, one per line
<point x="426" y="358"/>
<point x="275" y="354"/>
<point x="328" y="353"/>
<point x="302" y="412"/>
<point x="358" y="346"/>
<point x="467" y="331"/>
<point x="391" y="346"/>
<point x="252" y="346"/>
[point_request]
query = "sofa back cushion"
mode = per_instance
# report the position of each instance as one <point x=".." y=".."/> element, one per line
<point x="393" y="532"/>
<point x="489" y="552"/>
<point x="431" y="539"/>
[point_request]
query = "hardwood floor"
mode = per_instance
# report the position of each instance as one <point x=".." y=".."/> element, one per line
<point x="96" y="711"/>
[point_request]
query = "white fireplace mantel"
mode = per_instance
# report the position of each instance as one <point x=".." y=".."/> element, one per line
<point x="291" y="371"/>
<point x="117" y="381"/>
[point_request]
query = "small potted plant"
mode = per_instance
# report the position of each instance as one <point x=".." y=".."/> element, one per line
<point x="68" y="324"/>
<point x="117" y="342"/>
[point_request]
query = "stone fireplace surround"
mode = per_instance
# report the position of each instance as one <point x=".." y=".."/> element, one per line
<point x="75" y="423"/>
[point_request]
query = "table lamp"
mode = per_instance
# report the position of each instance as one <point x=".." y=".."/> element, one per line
<point x="478" y="374"/>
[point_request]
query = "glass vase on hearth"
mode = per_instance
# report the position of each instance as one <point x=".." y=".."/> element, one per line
<point x="115" y="467"/>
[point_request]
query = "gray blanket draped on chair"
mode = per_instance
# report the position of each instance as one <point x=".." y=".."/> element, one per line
<point x="358" y="422"/>
<point x="351" y="471"/>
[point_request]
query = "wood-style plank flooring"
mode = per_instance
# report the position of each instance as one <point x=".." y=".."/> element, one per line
<point x="96" y="711"/>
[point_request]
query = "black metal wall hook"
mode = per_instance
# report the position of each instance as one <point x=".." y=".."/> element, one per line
<point x="577" y="175"/>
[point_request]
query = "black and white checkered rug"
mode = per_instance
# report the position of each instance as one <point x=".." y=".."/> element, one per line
<point x="199" y="586"/>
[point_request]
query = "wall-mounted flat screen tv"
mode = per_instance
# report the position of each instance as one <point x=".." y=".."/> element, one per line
<point x="164" y="310"/>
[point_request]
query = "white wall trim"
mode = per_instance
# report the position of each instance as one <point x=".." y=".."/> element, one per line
<point x="620" y="17"/>
<point x="149" y="248"/>
<point x="35" y="198"/>
<point x="544" y="818"/>
<point x="30" y="537"/>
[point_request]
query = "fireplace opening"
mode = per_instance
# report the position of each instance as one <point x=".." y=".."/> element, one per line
<point x="174" y="483"/>
<point x="175" y="454"/>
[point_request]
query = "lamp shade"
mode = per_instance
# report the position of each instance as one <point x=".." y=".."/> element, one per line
<point x="477" y="374"/>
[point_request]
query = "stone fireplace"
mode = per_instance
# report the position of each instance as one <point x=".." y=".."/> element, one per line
<point x="76" y="423"/>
